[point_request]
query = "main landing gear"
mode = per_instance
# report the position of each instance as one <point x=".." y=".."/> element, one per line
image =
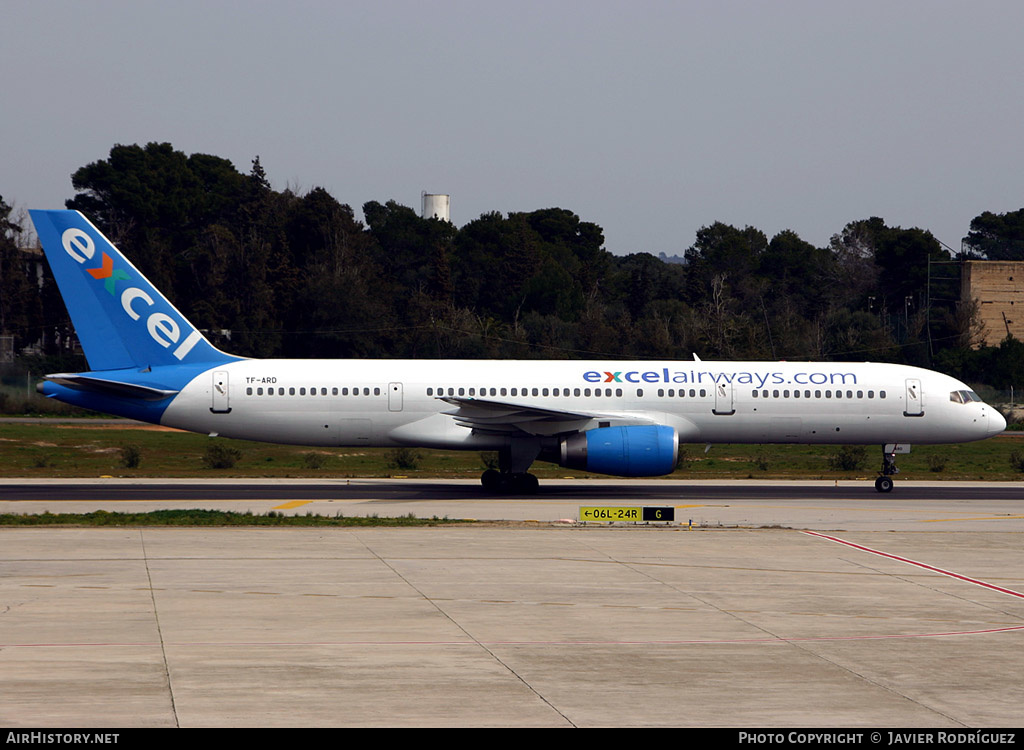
<point x="518" y="483"/>
<point x="512" y="475"/>
<point x="884" y="482"/>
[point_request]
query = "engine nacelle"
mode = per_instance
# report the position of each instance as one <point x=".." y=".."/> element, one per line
<point x="632" y="451"/>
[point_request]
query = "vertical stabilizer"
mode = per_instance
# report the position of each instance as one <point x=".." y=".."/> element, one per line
<point x="121" y="319"/>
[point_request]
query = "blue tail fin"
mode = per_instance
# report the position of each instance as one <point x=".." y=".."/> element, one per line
<point x="121" y="319"/>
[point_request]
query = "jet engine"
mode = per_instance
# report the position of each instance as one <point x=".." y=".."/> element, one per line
<point x="631" y="451"/>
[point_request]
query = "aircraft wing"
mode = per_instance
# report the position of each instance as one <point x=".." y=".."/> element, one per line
<point x="499" y="417"/>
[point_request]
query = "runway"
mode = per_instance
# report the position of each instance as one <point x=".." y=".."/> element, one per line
<point x="898" y="610"/>
<point x="820" y="505"/>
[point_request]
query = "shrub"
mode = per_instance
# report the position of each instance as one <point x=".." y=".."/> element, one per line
<point x="220" y="456"/>
<point x="405" y="458"/>
<point x="936" y="463"/>
<point x="314" y="460"/>
<point x="848" y="458"/>
<point x="131" y="456"/>
<point x="1017" y="460"/>
<point x="43" y="462"/>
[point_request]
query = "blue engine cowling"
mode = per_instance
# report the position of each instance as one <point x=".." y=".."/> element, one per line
<point x="633" y="451"/>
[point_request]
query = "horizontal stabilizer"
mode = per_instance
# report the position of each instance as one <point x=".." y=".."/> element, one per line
<point x="110" y="387"/>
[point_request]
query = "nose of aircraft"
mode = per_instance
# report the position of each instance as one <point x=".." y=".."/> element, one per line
<point x="996" y="422"/>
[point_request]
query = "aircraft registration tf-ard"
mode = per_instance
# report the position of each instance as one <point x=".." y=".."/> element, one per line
<point x="621" y="418"/>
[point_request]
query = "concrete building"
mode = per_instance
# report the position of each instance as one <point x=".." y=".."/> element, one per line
<point x="998" y="289"/>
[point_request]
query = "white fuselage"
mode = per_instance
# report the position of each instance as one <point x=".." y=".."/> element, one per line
<point x="398" y="402"/>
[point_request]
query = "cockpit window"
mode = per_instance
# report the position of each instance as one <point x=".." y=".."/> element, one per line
<point x="957" y="397"/>
<point x="963" y="397"/>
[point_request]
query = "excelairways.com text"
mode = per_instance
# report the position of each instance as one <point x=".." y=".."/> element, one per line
<point x="758" y="379"/>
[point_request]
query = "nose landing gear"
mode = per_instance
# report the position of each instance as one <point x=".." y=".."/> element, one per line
<point x="884" y="483"/>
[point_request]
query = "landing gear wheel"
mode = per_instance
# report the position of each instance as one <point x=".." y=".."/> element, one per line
<point x="883" y="484"/>
<point x="492" y="481"/>
<point x="525" y="484"/>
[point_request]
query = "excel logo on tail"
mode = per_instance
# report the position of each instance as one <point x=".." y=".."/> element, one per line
<point x="162" y="328"/>
<point x="108" y="272"/>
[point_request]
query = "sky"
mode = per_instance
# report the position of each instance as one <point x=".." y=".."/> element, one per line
<point x="650" y="119"/>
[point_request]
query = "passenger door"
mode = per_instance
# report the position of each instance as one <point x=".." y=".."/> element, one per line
<point x="915" y="399"/>
<point x="219" y="403"/>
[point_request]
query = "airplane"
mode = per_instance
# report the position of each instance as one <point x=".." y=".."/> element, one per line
<point x="625" y="418"/>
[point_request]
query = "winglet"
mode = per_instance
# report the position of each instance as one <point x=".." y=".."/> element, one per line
<point x="121" y="319"/>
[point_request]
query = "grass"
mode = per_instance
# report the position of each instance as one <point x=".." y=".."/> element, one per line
<point x="212" y="518"/>
<point x="71" y="451"/>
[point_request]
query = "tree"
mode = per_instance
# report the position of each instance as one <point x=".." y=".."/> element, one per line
<point x="997" y="236"/>
<point x="20" y="301"/>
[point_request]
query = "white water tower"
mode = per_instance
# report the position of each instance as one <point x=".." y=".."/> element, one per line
<point x="436" y="206"/>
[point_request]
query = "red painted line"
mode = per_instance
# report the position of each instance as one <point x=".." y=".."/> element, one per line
<point x="908" y="561"/>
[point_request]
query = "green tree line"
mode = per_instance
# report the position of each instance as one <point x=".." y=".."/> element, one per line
<point x="270" y="273"/>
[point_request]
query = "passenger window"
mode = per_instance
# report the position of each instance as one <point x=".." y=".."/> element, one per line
<point x="248" y="391"/>
<point x="376" y="391"/>
<point x="302" y="391"/>
<point x="639" y="392"/>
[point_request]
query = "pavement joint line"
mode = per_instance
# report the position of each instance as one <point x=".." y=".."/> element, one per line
<point x="473" y="638"/>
